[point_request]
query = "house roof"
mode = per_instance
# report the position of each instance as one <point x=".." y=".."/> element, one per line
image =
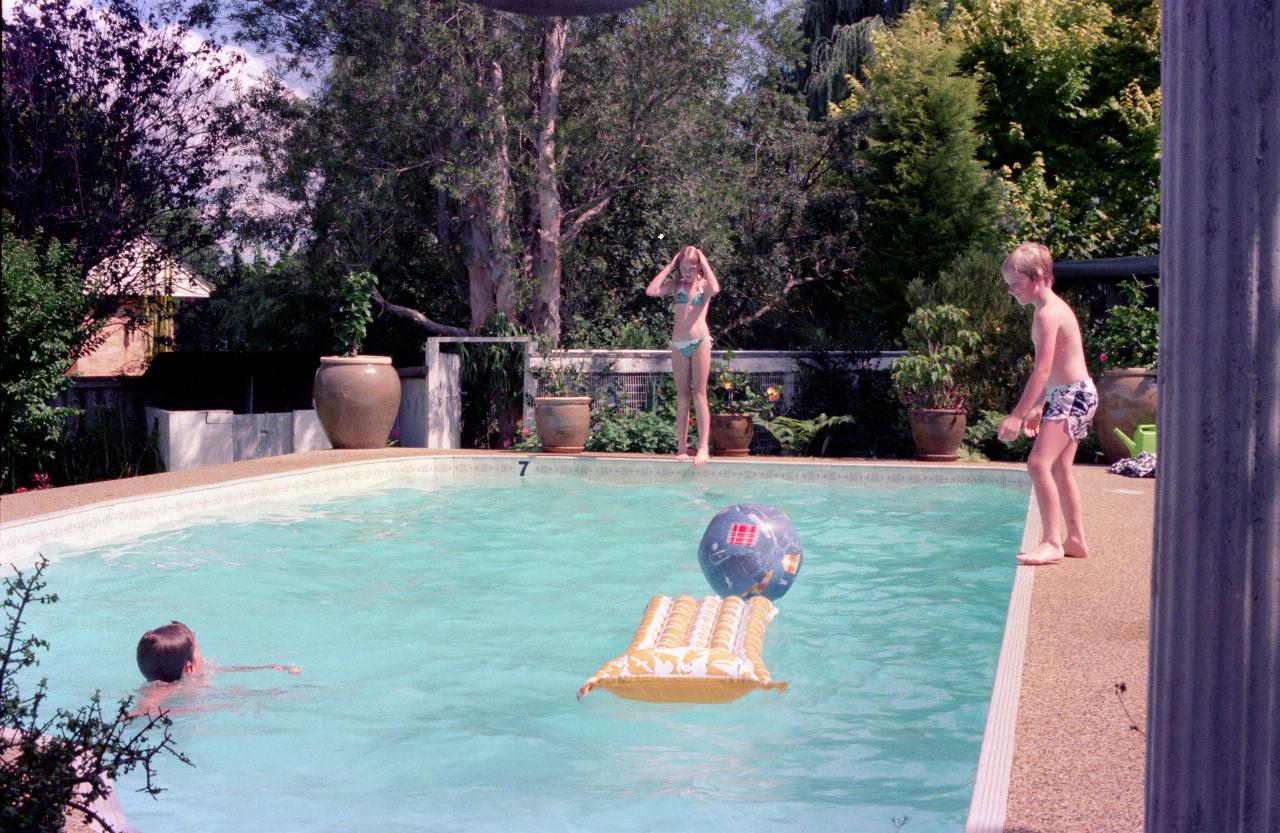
<point x="172" y="278"/>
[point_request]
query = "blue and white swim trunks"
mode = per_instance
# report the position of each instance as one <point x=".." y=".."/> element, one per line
<point x="1076" y="403"/>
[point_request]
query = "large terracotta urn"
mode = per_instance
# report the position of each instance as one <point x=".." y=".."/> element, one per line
<point x="1126" y="399"/>
<point x="563" y="422"/>
<point x="731" y="435"/>
<point x="357" y="398"/>
<point x="938" y="434"/>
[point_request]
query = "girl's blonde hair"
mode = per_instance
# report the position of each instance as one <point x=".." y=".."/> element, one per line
<point x="1030" y="259"/>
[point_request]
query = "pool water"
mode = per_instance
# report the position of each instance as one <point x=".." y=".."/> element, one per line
<point x="443" y="631"/>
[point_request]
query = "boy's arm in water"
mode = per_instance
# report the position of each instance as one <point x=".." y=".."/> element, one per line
<point x="1044" y="334"/>
<point x="288" y="669"/>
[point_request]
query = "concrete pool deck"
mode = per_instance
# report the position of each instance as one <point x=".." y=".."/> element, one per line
<point x="1077" y="763"/>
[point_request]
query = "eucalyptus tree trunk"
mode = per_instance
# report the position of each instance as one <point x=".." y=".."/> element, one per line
<point x="547" y="213"/>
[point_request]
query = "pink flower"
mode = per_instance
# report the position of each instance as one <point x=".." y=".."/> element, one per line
<point x="506" y="443"/>
<point x="1102" y="357"/>
<point x="524" y="431"/>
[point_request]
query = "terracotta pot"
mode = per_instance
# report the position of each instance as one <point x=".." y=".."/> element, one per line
<point x="937" y="434"/>
<point x="1126" y="398"/>
<point x="731" y="435"/>
<point x="356" y="398"/>
<point x="563" y="422"/>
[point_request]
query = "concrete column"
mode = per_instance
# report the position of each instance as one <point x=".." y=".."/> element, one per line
<point x="1213" y="749"/>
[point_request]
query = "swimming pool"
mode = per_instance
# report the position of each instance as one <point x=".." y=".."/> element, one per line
<point x="444" y="625"/>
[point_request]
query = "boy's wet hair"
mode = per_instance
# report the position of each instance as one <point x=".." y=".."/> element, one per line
<point x="163" y="653"/>
<point x="1028" y="259"/>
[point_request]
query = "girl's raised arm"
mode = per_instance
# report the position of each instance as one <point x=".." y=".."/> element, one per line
<point x="659" y="283"/>
<point x="713" y="285"/>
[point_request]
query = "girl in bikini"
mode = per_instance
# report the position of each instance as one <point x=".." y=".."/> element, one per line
<point x="691" y="283"/>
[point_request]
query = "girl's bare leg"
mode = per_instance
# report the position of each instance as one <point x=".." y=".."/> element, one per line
<point x="1069" y="494"/>
<point x="701" y="369"/>
<point x="1051" y="441"/>
<point x="680" y="372"/>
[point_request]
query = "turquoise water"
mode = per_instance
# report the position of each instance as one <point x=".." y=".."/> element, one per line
<point x="442" y="633"/>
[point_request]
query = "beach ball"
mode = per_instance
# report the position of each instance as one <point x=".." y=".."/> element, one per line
<point x="750" y="549"/>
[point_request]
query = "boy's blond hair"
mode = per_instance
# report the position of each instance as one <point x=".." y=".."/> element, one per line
<point x="1028" y="259"/>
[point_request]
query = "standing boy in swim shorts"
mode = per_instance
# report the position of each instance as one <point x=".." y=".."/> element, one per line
<point x="1056" y="407"/>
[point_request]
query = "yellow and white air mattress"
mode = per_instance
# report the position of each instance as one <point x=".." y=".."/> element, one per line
<point x="691" y="651"/>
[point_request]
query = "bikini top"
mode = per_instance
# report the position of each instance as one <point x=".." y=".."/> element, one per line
<point x="682" y="297"/>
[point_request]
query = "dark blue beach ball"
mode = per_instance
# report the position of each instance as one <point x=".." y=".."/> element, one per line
<point x="750" y="549"/>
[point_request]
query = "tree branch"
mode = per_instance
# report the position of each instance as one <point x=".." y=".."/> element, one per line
<point x="747" y="319"/>
<point x="416" y="317"/>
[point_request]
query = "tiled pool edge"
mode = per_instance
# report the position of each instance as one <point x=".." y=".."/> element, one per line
<point x="990" y="803"/>
<point x="20" y="541"/>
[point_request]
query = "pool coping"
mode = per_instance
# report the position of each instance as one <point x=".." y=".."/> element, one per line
<point x="989" y="803"/>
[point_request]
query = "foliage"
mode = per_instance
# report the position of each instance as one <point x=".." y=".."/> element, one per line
<point x="1071" y="117"/>
<point x="51" y="768"/>
<point x="115" y="129"/>
<point x="797" y="436"/>
<point x="259" y="306"/>
<point x="424" y="152"/>
<point x="616" y="429"/>
<point x="939" y="346"/>
<point x="492" y="378"/>
<point x="1002" y="360"/>
<point x="731" y="391"/>
<point x="837" y="34"/>
<point x="106" y="446"/>
<point x="981" y="440"/>
<point x="1129" y="335"/>
<point x="353" y="311"/>
<point x="928" y="198"/>
<point x="44" y="311"/>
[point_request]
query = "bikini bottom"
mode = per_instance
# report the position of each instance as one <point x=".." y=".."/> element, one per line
<point x="687" y="347"/>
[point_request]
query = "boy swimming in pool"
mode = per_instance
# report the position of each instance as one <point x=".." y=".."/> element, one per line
<point x="1056" y="407"/>
<point x="690" y="281"/>
<point x="169" y="658"/>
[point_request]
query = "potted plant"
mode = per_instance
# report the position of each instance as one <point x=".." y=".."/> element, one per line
<point x="561" y="408"/>
<point x="925" y="379"/>
<point x="1126" y="345"/>
<point x="736" y="404"/>
<point x="356" y="396"/>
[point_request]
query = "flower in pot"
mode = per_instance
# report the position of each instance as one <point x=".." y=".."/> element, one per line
<point x="925" y="379"/>
<point x="356" y="396"/>
<point x="1126" y="345"/>
<point x="736" y="404"/>
<point x="561" y="408"/>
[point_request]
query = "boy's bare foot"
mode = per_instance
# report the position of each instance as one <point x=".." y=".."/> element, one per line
<point x="1044" y="553"/>
<point x="682" y="455"/>
<point x="703" y="456"/>
<point x="1075" y="547"/>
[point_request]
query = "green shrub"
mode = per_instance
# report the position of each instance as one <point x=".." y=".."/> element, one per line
<point x="53" y="768"/>
<point x="939" y="346"/>
<point x="644" y="432"/>
<point x="1129" y="335"/>
<point x="44" y="311"/>
<point x="1002" y="360"/>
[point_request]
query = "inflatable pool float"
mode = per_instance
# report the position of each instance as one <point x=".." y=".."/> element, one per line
<point x="690" y="651"/>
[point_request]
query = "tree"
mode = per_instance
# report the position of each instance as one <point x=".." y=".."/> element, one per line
<point x="1071" y="117"/>
<point x="437" y="144"/>
<point x="44" y="317"/>
<point x="53" y="768"/>
<point x="928" y="199"/>
<point x="838" y="37"/>
<point x="114" y="130"/>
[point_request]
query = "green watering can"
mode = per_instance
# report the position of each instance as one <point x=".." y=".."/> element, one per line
<point x="1144" y="439"/>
